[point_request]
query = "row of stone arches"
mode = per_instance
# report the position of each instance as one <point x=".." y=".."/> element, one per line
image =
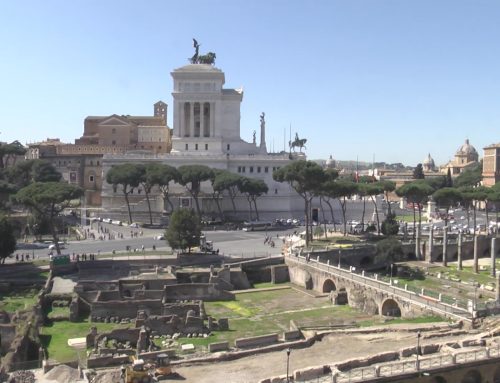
<point x="471" y="376"/>
<point x="389" y="307"/>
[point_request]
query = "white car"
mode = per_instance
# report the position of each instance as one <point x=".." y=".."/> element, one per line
<point x="160" y="237"/>
<point x="134" y="225"/>
<point x="53" y="246"/>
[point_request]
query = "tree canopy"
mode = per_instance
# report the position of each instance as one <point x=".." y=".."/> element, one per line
<point x="48" y="199"/>
<point x="253" y="188"/>
<point x="7" y="239"/>
<point x="191" y="177"/>
<point x="184" y="230"/>
<point x="128" y="176"/>
<point x="306" y="178"/>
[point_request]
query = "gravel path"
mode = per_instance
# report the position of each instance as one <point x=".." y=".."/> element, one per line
<point x="333" y="348"/>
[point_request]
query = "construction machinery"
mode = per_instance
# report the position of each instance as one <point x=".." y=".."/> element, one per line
<point x="136" y="373"/>
<point x="206" y="246"/>
<point x="163" y="368"/>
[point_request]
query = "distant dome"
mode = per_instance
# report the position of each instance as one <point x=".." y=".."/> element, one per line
<point x="467" y="149"/>
<point x="428" y="163"/>
<point x="330" y="163"/>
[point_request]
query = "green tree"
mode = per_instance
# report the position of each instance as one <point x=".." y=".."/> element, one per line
<point x="163" y="175"/>
<point x="7" y="239"/>
<point x="191" y="177"/>
<point x="373" y="190"/>
<point x="306" y="178"/>
<point x="148" y="180"/>
<point x="184" y="230"/>
<point x="416" y="193"/>
<point x="390" y="226"/>
<point x="9" y="152"/>
<point x="389" y="250"/>
<point x="418" y="172"/>
<point x="253" y="188"/>
<point x="342" y="190"/>
<point x="229" y="182"/>
<point x="49" y="199"/>
<point x="469" y="177"/>
<point x="217" y="192"/>
<point x="26" y="172"/>
<point x="446" y="198"/>
<point x="388" y="187"/>
<point x="128" y="176"/>
<point x="330" y="175"/>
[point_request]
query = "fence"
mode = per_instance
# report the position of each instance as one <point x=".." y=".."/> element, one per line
<point x="432" y="303"/>
<point x="364" y="374"/>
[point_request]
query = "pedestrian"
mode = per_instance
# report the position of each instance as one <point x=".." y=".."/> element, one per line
<point x="17" y="257"/>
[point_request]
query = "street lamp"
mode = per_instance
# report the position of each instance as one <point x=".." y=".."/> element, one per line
<point x="340" y="255"/>
<point x="392" y="265"/>
<point x="418" y="349"/>
<point x="287" y="364"/>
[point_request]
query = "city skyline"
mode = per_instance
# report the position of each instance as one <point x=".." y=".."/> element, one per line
<point x="382" y="79"/>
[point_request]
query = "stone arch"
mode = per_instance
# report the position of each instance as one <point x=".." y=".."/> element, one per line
<point x="329" y="285"/>
<point x="472" y="376"/>
<point x="496" y="377"/>
<point x="439" y="379"/>
<point x="391" y="308"/>
<point x="366" y="261"/>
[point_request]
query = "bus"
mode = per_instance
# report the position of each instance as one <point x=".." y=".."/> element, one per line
<point x="256" y="225"/>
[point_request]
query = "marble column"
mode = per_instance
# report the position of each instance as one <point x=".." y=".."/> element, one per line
<point x="202" y="119"/>
<point x="459" y="251"/>
<point x="445" y="246"/>
<point x="431" y="244"/>
<point x="493" y="253"/>
<point x="498" y="288"/>
<point x="212" y="119"/>
<point x="476" y="257"/>
<point x="417" y="245"/>
<point x="191" y="119"/>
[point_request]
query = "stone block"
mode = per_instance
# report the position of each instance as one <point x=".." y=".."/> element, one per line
<point x="220" y="346"/>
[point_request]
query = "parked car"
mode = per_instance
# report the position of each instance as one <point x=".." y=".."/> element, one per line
<point x="134" y="225"/>
<point x="53" y="246"/>
<point x="159" y="237"/>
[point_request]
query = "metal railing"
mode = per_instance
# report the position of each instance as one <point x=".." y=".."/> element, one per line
<point x="365" y="374"/>
<point x="430" y="302"/>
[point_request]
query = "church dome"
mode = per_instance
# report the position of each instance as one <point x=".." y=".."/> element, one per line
<point x="467" y="149"/>
<point x="330" y="162"/>
<point x="428" y="163"/>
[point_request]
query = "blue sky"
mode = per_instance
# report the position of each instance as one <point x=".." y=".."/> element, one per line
<point x="394" y="79"/>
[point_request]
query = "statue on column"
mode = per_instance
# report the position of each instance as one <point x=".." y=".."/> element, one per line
<point x="254" y="137"/>
<point x="194" y="59"/>
<point x="209" y="58"/>
<point x="263" y="148"/>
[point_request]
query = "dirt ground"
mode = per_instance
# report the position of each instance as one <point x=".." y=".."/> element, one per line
<point x="333" y="348"/>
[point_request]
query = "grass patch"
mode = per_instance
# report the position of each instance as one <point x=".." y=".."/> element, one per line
<point x="55" y="335"/>
<point x="18" y="300"/>
<point x="58" y="312"/>
<point x="425" y="319"/>
<point x="265" y="285"/>
<point x="234" y="309"/>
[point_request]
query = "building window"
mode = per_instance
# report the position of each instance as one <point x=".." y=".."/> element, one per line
<point x="251" y="169"/>
<point x="113" y="130"/>
<point x="228" y="147"/>
<point x="266" y="169"/>
<point x="195" y="146"/>
<point x="91" y="178"/>
<point x="187" y="146"/>
<point x="258" y="169"/>
<point x="275" y="191"/>
<point x="243" y="169"/>
<point x="91" y="163"/>
<point x="97" y="163"/>
<point x="206" y="146"/>
<point x="239" y="169"/>
<point x="113" y="142"/>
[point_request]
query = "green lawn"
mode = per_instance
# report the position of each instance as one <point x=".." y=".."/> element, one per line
<point x="18" y="300"/>
<point x="426" y="319"/>
<point x="54" y="337"/>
